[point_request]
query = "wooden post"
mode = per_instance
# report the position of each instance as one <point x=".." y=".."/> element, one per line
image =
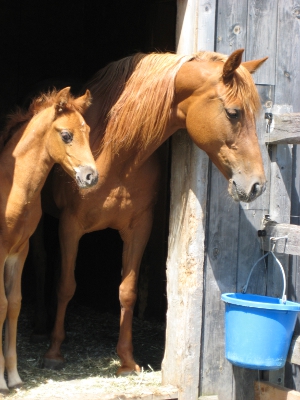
<point x="189" y="171"/>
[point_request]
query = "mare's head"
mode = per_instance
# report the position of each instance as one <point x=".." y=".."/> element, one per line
<point x="218" y="101"/>
<point x="68" y="134"/>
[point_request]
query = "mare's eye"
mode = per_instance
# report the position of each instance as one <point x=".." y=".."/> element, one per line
<point x="66" y="136"/>
<point x="232" y="113"/>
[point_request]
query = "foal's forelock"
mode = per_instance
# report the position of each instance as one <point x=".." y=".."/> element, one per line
<point x="19" y="118"/>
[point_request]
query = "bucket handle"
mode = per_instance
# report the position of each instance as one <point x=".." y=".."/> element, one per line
<point x="274" y="239"/>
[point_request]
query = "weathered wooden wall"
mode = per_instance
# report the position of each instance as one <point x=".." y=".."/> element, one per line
<point x="263" y="28"/>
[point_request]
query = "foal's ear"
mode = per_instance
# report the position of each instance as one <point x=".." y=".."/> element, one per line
<point x="253" y="65"/>
<point x="83" y="102"/>
<point x="231" y="64"/>
<point x="62" y="99"/>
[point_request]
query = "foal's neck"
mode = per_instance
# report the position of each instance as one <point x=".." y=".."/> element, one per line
<point x="26" y="160"/>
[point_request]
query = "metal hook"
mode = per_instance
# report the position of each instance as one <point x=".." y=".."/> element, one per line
<point x="274" y="239"/>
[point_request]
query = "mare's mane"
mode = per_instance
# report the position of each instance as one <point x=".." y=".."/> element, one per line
<point x="135" y="94"/>
<point x="20" y="117"/>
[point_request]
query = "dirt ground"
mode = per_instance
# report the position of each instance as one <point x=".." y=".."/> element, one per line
<point x="91" y="359"/>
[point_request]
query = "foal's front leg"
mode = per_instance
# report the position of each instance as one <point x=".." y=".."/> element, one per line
<point x="3" y="311"/>
<point x="12" y="281"/>
<point x="69" y="235"/>
<point x="135" y="239"/>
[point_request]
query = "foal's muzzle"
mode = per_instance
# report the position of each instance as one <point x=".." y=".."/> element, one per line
<point x="86" y="176"/>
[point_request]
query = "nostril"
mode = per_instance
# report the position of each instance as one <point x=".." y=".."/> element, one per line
<point x="255" y="189"/>
<point x="89" y="177"/>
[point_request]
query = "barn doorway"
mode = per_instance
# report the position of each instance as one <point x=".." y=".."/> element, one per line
<point x="69" y="41"/>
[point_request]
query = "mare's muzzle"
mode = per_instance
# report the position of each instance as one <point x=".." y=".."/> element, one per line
<point x="239" y="193"/>
<point x="86" y="176"/>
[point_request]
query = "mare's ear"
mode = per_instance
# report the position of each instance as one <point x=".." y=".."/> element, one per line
<point x="83" y="102"/>
<point x="253" y="65"/>
<point x="231" y="64"/>
<point x="62" y="99"/>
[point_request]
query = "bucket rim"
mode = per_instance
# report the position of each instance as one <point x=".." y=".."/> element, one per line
<point x="258" y="301"/>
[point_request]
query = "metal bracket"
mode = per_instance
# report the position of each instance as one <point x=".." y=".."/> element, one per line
<point x="269" y="117"/>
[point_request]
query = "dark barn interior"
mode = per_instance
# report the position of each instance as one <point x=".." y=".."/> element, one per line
<point x="55" y="41"/>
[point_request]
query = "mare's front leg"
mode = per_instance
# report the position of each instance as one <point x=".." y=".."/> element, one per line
<point x="135" y="238"/>
<point x="69" y="235"/>
<point x="12" y="280"/>
<point x="39" y="261"/>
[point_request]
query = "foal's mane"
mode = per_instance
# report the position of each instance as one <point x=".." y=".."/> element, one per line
<point x="134" y="96"/>
<point x="20" y="117"/>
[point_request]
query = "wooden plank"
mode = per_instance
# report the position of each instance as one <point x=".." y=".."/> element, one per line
<point x="231" y="26"/>
<point x="185" y="26"/>
<point x="220" y="277"/>
<point x="269" y="391"/>
<point x="261" y="38"/>
<point x="288" y="54"/>
<point x="206" y="26"/>
<point x="280" y="184"/>
<point x="291" y="245"/>
<point x="180" y="366"/>
<point x="163" y="393"/>
<point x="186" y="252"/>
<point x="293" y="370"/>
<point x="248" y="253"/>
<point x="214" y="397"/>
<point x="280" y="208"/>
<point x="294" y="351"/>
<point x="288" y="81"/>
<point x="285" y="129"/>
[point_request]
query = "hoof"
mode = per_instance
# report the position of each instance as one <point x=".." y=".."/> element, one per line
<point x="17" y="386"/>
<point x="4" y="391"/>
<point x="127" y="373"/>
<point x="50" y="363"/>
<point x="39" y="338"/>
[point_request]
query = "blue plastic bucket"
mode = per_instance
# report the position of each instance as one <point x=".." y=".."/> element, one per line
<point x="258" y="330"/>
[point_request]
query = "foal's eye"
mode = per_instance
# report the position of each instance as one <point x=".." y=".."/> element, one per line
<point x="66" y="136"/>
<point x="232" y="113"/>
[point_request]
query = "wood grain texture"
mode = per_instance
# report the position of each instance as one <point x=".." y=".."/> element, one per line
<point x="268" y="391"/>
<point x="220" y="277"/>
<point x="288" y="54"/>
<point x="189" y="177"/>
<point x="289" y="245"/>
<point x="185" y="267"/>
<point x="294" y="351"/>
<point x="261" y="38"/>
<point x="285" y="129"/>
<point x="231" y="26"/>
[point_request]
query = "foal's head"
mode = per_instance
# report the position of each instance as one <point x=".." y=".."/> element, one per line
<point x="67" y="138"/>
<point x="219" y="104"/>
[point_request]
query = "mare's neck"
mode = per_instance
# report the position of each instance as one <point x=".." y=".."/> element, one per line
<point x="26" y="161"/>
<point x="135" y="157"/>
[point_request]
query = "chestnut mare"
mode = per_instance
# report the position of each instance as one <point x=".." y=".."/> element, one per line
<point x="138" y="103"/>
<point x="51" y="131"/>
